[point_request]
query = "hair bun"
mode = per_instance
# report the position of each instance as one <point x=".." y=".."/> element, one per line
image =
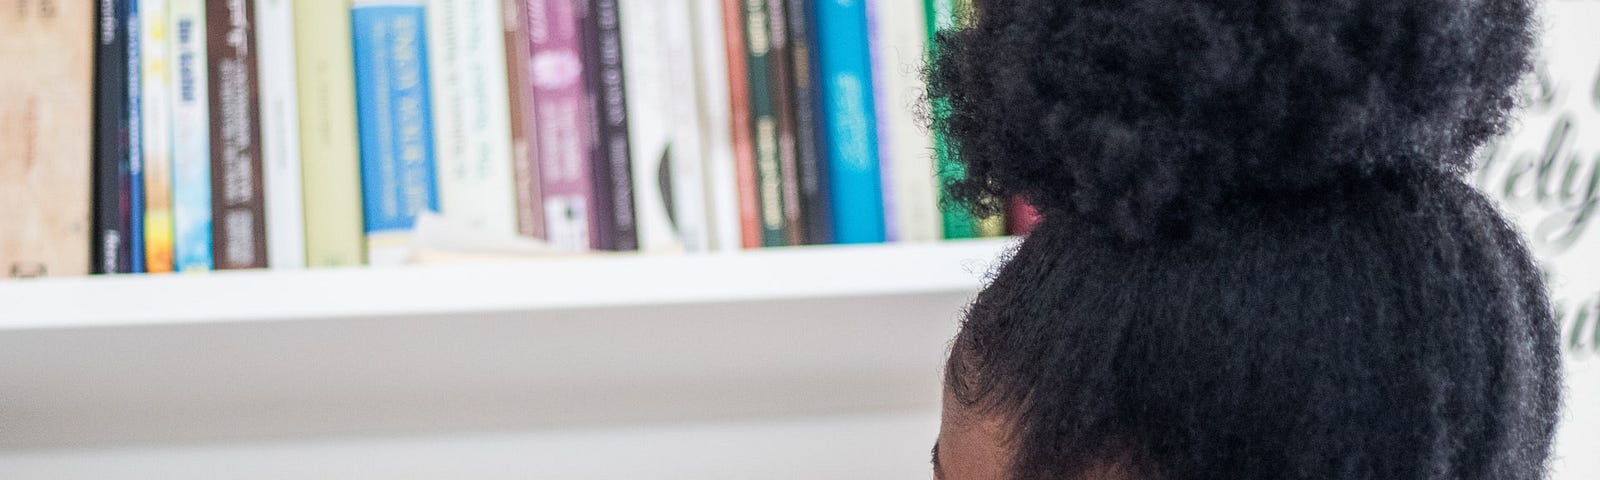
<point x="1140" y="114"/>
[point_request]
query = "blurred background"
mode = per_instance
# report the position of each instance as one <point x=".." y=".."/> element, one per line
<point x="570" y="239"/>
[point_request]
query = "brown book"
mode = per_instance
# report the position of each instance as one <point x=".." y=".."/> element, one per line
<point x="45" y="145"/>
<point x="743" y="130"/>
<point x="238" y="224"/>
<point x="524" y="153"/>
<point x="783" y="95"/>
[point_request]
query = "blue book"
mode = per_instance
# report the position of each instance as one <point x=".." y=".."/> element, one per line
<point x="135" y="176"/>
<point x="395" y="119"/>
<point x="850" y="121"/>
<point x="191" y="139"/>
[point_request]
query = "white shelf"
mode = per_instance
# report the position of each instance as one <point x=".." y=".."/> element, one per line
<point x="562" y="343"/>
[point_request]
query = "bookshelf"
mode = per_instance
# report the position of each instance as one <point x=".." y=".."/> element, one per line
<point x="570" y="343"/>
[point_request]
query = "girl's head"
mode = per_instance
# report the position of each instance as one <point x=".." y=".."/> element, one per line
<point x="1258" y="257"/>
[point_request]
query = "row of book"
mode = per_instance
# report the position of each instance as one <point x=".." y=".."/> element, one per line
<point x="236" y="134"/>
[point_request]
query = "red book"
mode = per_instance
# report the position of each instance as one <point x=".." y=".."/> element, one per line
<point x="744" y="152"/>
<point x="1021" y="217"/>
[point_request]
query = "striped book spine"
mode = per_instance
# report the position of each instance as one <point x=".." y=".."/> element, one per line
<point x="156" y="68"/>
<point x="957" y="221"/>
<point x="329" y="157"/>
<point x="191" y="139"/>
<point x="851" y="120"/>
<point x="522" y="120"/>
<point x="392" y="105"/>
<point x="562" y="128"/>
<point x="280" y="135"/>
<point x="238" y="230"/>
<point x="472" y="142"/>
<point x="715" y="125"/>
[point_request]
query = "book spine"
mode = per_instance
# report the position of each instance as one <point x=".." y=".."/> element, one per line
<point x="886" y="135"/>
<point x="957" y="222"/>
<point x="782" y="85"/>
<point x="1021" y="217"/>
<point x="715" y="125"/>
<point x="111" y="249"/>
<point x="191" y="139"/>
<point x="687" y="185"/>
<point x="613" y="227"/>
<point x="472" y="136"/>
<point x="155" y="67"/>
<point x="521" y="121"/>
<point x="45" y="174"/>
<point x="329" y="158"/>
<point x="392" y="105"/>
<point x="764" y="122"/>
<point x="562" y="129"/>
<point x="280" y="135"/>
<point x="743" y="129"/>
<point x="906" y="149"/>
<point x="238" y="232"/>
<point x="816" y="208"/>
<point x="649" y="122"/>
<point x="133" y="177"/>
<point x="851" y="120"/>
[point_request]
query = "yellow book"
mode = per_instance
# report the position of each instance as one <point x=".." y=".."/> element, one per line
<point x="329" y="153"/>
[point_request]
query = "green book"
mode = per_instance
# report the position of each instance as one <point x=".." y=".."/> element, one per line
<point x="775" y="227"/>
<point x="330" y="157"/>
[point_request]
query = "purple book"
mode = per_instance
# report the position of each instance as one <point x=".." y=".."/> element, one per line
<point x="563" y="129"/>
<point x="885" y="139"/>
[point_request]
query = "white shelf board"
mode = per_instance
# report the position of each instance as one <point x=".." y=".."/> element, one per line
<point x="586" y="282"/>
<point x="593" y="342"/>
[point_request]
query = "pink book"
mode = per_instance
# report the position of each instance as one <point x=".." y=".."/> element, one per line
<point x="562" y="129"/>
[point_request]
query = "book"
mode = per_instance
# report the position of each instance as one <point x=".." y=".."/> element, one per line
<point x="816" y="208"/>
<point x="191" y="138"/>
<point x="688" y="153"/>
<point x="612" y="224"/>
<point x="782" y="84"/>
<point x="649" y="91"/>
<point x="156" y="142"/>
<point x="714" y="125"/>
<point x="330" y="160"/>
<point x="238" y="228"/>
<point x="471" y="124"/>
<point x="851" y="121"/>
<point x="283" y="192"/>
<point x="764" y="101"/>
<point x="742" y="130"/>
<point x="957" y="222"/>
<point x="1020" y="217"/>
<point x="111" y="250"/>
<point x="133" y="173"/>
<point x="562" y="129"/>
<point x="45" y="159"/>
<point x="522" y="120"/>
<point x="905" y="148"/>
<point x="395" y="117"/>
<point x="663" y="125"/>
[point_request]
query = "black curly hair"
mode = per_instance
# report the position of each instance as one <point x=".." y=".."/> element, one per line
<point x="1259" y="257"/>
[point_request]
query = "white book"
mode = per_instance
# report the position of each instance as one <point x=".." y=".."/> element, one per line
<point x="471" y="123"/>
<point x="912" y="177"/>
<point x="689" y="154"/>
<point x="280" y="135"/>
<point x="156" y="132"/>
<point x="645" y="70"/>
<point x="715" y="125"/>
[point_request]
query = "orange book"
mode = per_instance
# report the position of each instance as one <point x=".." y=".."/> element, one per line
<point x="744" y="153"/>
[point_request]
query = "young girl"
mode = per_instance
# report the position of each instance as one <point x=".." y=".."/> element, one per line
<point x="1259" y="258"/>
